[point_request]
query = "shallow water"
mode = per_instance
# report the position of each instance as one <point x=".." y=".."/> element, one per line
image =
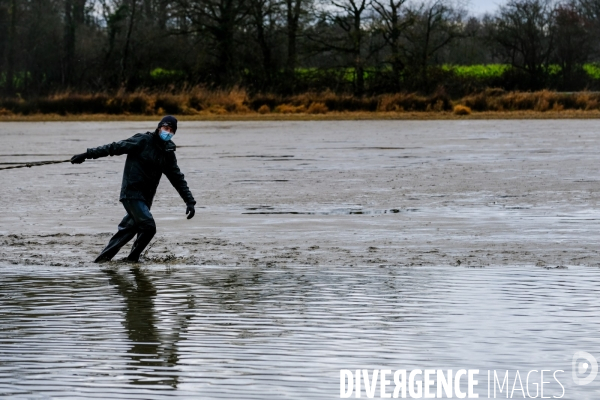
<point x="317" y="246"/>
<point x="284" y="332"/>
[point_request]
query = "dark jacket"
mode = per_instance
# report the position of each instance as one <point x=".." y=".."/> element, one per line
<point x="148" y="157"/>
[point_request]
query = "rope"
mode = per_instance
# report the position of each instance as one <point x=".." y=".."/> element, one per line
<point x="38" y="163"/>
<point x="35" y="164"/>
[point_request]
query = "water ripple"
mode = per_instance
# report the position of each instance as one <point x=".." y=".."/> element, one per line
<point x="260" y="332"/>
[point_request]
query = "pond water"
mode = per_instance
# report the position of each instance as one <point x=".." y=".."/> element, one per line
<point x="259" y="332"/>
<point x="317" y="246"/>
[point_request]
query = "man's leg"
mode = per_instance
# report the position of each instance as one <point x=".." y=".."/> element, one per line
<point x="126" y="231"/>
<point x="145" y="226"/>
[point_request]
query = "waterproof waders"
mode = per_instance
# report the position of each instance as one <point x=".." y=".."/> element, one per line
<point x="149" y="156"/>
<point x="138" y="221"/>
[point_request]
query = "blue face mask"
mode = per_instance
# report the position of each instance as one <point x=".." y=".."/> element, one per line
<point x="166" y="136"/>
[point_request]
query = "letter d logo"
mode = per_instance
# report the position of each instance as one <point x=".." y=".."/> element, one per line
<point x="580" y="367"/>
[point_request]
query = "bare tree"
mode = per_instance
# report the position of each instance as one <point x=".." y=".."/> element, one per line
<point x="591" y="10"/>
<point x="74" y="18"/>
<point x="573" y="41"/>
<point x="434" y="25"/>
<point x="393" y="21"/>
<point x="263" y="15"/>
<point x="292" y="13"/>
<point x="12" y="38"/>
<point x="127" y="45"/>
<point x="218" y="21"/>
<point x="525" y="34"/>
<point x="368" y="46"/>
<point x="350" y="18"/>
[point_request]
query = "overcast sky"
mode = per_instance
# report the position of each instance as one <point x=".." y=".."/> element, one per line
<point x="481" y="6"/>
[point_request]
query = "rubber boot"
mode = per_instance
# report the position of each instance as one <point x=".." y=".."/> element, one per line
<point x="143" y="239"/>
<point x="125" y="233"/>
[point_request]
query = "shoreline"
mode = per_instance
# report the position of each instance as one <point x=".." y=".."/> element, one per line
<point x="330" y="116"/>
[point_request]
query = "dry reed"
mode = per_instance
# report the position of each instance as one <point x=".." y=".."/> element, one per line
<point x="203" y="102"/>
<point x="462" y="110"/>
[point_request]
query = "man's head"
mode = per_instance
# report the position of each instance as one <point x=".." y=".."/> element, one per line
<point x="170" y="122"/>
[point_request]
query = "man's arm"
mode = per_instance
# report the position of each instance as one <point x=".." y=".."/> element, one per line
<point x="126" y="146"/>
<point x="177" y="179"/>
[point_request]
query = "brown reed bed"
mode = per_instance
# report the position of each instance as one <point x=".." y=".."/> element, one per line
<point x="199" y="103"/>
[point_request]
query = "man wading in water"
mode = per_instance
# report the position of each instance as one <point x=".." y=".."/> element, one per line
<point x="149" y="155"/>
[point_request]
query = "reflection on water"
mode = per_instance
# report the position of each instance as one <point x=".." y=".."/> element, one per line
<point x="148" y="349"/>
<point x="266" y="332"/>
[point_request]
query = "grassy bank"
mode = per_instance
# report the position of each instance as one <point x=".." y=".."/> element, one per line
<point x="201" y="104"/>
<point x="333" y="116"/>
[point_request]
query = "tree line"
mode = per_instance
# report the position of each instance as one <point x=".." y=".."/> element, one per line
<point x="293" y="46"/>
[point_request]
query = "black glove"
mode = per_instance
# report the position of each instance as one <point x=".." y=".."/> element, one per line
<point x="190" y="212"/>
<point x="78" y="158"/>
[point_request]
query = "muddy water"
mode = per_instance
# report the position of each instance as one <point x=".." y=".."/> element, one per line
<point x="263" y="333"/>
<point x="319" y="193"/>
<point x="316" y="246"/>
